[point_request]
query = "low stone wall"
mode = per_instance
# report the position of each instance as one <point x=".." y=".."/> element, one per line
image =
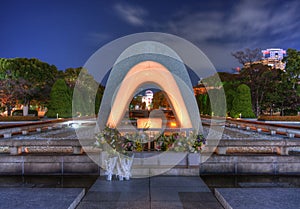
<point x="251" y="164"/>
<point x="216" y="164"/>
<point x="45" y="164"/>
<point x="82" y="164"/>
<point x="257" y="146"/>
<point x="237" y="156"/>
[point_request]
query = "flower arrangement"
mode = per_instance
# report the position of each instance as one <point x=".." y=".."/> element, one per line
<point x="112" y="140"/>
<point x="180" y="143"/>
<point x="164" y="142"/>
<point x="115" y="143"/>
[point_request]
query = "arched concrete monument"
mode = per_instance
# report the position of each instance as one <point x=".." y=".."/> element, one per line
<point x="136" y="63"/>
<point x="149" y="63"/>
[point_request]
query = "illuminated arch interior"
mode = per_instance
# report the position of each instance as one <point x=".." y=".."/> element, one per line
<point x="143" y="73"/>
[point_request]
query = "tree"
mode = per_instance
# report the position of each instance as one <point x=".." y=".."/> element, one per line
<point x="35" y="78"/>
<point x="98" y="98"/>
<point x="242" y="103"/>
<point x="86" y="92"/>
<point x="9" y="91"/>
<point x="71" y="75"/>
<point x="230" y="92"/>
<point x="248" y="56"/>
<point x="262" y="82"/>
<point x="288" y="101"/>
<point x="60" y="100"/>
<point x="203" y="102"/>
<point x="160" y="99"/>
<point x="217" y="106"/>
<point x="292" y="67"/>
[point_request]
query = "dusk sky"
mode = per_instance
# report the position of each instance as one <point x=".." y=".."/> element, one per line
<point x="67" y="34"/>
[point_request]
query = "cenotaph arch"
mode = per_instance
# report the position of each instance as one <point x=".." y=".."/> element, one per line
<point x="149" y="63"/>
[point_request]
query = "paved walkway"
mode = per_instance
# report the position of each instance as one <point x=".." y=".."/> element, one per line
<point x="159" y="192"/>
<point x="259" y="198"/>
<point x="167" y="192"/>
<point x="44" y="198"/>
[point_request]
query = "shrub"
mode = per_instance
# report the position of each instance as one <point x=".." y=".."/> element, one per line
<point x="60" y="100"/>
<point x="290" y="112"/>
<point x="242" y="103"/>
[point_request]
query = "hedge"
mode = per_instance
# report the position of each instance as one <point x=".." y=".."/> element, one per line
<point x="19" y="118"/>
<point x="279" y="118"/>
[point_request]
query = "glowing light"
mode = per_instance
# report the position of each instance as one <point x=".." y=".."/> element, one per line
<point x="173" y="124"/>
<point x="74" y="125"/>
<point x="149" y="123"/>
<point x="26" y="150"/>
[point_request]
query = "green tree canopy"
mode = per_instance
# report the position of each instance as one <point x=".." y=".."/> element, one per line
<point x="35" y="77"/>
<point x="60" y="100"/>
<point x="242" y="103"/>
<point x="292" y="67"/>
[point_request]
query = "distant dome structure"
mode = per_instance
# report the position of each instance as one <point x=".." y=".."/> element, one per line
<point x="148" y="98"/>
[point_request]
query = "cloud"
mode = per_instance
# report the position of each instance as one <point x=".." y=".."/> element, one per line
<point x="96" y="38"/>
<point x="245" y="24"/>
<point x="134" y="15"/>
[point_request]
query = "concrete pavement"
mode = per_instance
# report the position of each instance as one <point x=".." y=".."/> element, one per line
<point x="43" y="198"/>
<point x="259" y="198"/>
<point x="168" y="192"/>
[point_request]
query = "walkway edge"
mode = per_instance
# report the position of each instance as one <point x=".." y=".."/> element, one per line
<point x="222" y="200"/>
<point x="77" y="200"/>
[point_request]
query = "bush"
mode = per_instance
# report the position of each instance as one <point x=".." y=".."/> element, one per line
<point x="60" y="100"/>
<point x="20" y="113"/>
<point x="242" y="103"/>
<point x="290" y="112"/>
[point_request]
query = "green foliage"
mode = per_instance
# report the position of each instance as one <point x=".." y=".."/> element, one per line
<point x="292" y="65"/>
<point x="230" y="93"/>
<point x="98" y="98"/>
<point x="35" y="77"/>
<point x="242" y="103"/>
<point x="112" y="141"/>
<point x="60" y="100"/>
<point x="160" y="99"/>
<point x="218" y="106"/>
<point x="86" y="94"/>
<point x="203" y="104"/>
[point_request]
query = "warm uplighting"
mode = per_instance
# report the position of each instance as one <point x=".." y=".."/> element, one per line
<point x="149" y="72"/>
<point x="173" y="124"/>
<point x="26" y="150"/>
<point x="149" y="123"/>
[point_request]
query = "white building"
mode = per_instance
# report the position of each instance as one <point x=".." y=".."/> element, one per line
<point x="148" y="98"/>
<point x="274" y="53"/>
<point x="273" y="57"/>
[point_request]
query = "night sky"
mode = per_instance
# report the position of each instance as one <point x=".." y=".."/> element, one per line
<point x="67" y="34"/>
